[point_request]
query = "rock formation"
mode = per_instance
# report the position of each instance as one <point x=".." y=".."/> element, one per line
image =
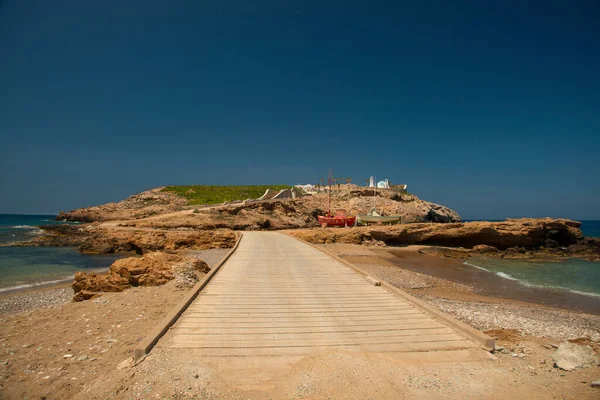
<point x="153" y="269"/>
<point x="164" y="210"/>
<point x="145" y="204"/>
<point x="96" y="240"/>
<point x="518" y="234"/>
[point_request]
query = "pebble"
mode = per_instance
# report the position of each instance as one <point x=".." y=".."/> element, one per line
<point x="595" y="384"/>
<point x="82" y="358"/>
<point x="556" y="324"/>
<point x="68" y="356"/>
<point x="20" y="303"/>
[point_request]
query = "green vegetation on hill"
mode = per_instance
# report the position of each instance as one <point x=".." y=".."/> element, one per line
<point x="205" y="194"/>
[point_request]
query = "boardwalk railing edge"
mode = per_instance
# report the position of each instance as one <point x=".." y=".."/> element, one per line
<point x="144" y="347"/>
<point x="484" y="340"/>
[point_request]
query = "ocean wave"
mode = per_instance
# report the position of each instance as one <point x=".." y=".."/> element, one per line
<point x="529" y="284"/>
<point x="510" y="277"/>
<point x="35" y="232"/>
<point x="584" y="293"/>
<point x="23" y="227"/>
<point x="476" y="266"/>
<point x="29" y="285"/>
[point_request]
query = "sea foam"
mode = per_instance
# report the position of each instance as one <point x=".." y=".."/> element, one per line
<point x="34" y="284"/>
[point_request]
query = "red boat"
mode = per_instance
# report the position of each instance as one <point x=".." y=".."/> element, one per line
<point x="339" y="219"/>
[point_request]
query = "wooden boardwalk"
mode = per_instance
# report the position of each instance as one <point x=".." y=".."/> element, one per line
<point x="279" y="296"/>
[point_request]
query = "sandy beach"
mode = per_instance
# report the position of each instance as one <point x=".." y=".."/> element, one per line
<point x="51" y="346"/>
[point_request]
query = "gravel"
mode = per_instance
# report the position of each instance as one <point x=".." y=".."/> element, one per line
<point x="29" y="301"/>
<point x="211" y="257"/>
<point x="406" y="279"/>
<point x="536" y="321"/>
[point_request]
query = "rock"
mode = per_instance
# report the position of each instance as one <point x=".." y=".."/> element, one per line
<point x="484" y="248"/>
<point x="595" y="384"/>
<point x="82" y="358"/>
<point x="68" y="356"/>
<point x="517" y="235"/>
<point x="570" y="356"/>
<point x="153" y="269"/>
<point x="186" y="272"/>
<point x="95" y="282"/>
<point x="85" y="294"/>
<point x="125" y="363"/>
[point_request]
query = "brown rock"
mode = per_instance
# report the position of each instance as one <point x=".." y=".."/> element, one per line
<point x="94" y="282"/>
<point x="85" y="295"/>
<point x="484" y="248"/>
<point x="153" y="269"/>
<point x="525" y="233"/>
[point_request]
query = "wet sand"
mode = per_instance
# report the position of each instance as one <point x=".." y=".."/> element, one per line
<point x="486" y="283"/>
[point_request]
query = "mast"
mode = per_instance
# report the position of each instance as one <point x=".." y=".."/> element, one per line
<point x="329" y="179"/>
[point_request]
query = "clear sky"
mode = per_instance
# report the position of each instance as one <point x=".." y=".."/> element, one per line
<point x="489" y="107"/>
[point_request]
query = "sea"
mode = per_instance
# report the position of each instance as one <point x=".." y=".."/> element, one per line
<point x="27" y="267"/>
<point x="576" y="276"/>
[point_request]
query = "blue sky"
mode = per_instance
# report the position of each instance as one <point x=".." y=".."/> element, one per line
<point x="491" y="108"/>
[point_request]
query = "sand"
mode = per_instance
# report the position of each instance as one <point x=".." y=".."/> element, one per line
<point x="50" y="346"/>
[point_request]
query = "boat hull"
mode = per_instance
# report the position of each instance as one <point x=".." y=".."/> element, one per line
<point x="336" y="221"/>
<point x="372" y="219"/>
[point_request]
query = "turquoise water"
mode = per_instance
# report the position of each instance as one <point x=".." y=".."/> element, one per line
<point x="573" y="275"/>
<point x="22" y="267"/>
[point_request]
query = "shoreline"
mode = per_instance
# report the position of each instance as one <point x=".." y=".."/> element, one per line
<point x="62" y="284"/>
<point x="444" y="284"/>
<point x="489" y="284"/>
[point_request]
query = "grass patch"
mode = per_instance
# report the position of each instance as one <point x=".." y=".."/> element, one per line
<point x="205" y="194"/>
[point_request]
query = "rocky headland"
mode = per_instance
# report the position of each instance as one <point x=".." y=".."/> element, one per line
<point x="165" y="210"/>
<point x="142" y="205"/>
<point x="521" y="238"/>
<point x="95" y="239"/>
